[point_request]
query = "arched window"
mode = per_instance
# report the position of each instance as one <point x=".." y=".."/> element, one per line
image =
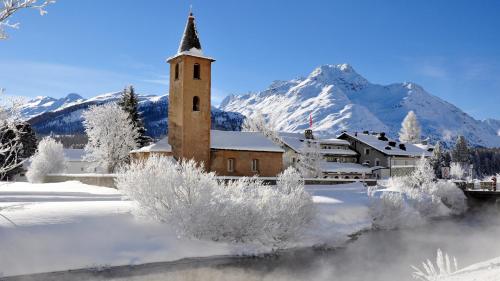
<point x="196" y="103"/>
<point x="196" y="71"/>
<point x="176" y="71"/>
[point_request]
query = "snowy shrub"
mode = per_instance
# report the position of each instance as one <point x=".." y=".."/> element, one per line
<point x="414" y="198"/>
<point x="49" y="158"/>
<point x="443" y="268"/>
<point x="457" y="171"/>
<point x="196" y="204"/>
<point x="451" y="196"/>
<point x="391" y="210"/>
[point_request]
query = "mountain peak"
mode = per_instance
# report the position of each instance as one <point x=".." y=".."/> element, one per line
<point x="73" y="97"/>
<point x="341" y="74"/>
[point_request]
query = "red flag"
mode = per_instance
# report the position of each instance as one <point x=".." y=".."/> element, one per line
<point x="310" y="120"/>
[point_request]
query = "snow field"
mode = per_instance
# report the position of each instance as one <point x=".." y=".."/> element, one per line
<point x="60" y="226"/>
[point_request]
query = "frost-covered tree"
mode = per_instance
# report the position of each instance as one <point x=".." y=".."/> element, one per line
<point x="29" y="143"/>
<point x="259" y="123"/>
<point x="48" y="159"/>
<point x="12" y="154"/>
<point x="130" y="104"/>
<point x="457" y="171"/>
<point x="410" y="129"/>
<point x="422" y="175"/>
<point x="197" y="205"/>
<point x="10" y="148"/>
<point x="111" y="136"/>
<point x="10" y="7"/>
<point x="460" y="152"/>
<point x="438" y="160"/>
<point x="310" y="159"/>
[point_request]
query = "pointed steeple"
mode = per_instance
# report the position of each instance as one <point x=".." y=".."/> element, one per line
<point x="190" y="38"/>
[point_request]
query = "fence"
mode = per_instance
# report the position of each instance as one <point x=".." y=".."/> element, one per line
<point x="108" y="180"/>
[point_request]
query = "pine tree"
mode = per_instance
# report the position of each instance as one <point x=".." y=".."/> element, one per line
<point x="438" y="160"/>
<point x="460" y="153"/>
<point x="130" y="104"/>
<point x="410" y="129"/>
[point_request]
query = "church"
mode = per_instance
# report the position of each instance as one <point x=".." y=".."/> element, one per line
<point x="227" y="153"/>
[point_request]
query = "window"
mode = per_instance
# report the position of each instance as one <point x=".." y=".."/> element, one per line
<point x="255" y="165"/>
<point x="177" y="71"/>
<point x="367" y="151"/>
<point x="196" y="71"/>
<point x="196" y="103"/>
<point x="377" y="162"/>
<point x="230" y="165"/>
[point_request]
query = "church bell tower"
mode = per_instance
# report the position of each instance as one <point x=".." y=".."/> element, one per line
<point x="189" y="99"/>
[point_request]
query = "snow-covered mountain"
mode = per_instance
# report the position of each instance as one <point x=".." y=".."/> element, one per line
<point x="63" y="116"/>
<point x="43" y="104"/>
<point x="340" y="99"/>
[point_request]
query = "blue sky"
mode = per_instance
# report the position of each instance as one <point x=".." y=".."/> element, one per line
<point x="451" y="48"/>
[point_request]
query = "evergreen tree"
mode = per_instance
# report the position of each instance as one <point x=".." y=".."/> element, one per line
<point x="410" y="129"/>
<point x="130" y="104"/>
<point x="460" y="153"/>
<point x="438" y="160"/>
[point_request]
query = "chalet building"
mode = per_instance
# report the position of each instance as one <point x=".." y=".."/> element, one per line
<point x="339" y="160"/>
<point x="227" y="153"/>
<point x="385" y="156"/>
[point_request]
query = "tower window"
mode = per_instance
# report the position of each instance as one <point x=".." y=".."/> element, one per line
<point x="177" y="71"/>
<point x="196" y="103"/>
<point x="196" y="71"/>
<point x="230" y="165"/>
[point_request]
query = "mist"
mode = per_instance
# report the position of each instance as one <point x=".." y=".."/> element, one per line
<point x="374" y="255"/>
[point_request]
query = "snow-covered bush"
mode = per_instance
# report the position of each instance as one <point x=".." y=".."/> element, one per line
<point x="196" y="204"/>
<point x="111" y="136"/>
<point x="412" y="199"/>
<point x="49" y="158"/>
<point x="457" y="171"/>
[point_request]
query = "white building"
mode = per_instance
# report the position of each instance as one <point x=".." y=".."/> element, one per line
<point x="76" y="163"/>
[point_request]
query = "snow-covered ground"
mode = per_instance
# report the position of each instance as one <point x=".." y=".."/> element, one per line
<point x="60" y="226"/>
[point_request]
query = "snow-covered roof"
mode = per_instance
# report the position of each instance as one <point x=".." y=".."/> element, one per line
<point x="74" y="154"/>
<point x="426" y="147"/>
<point x="296" y="142"/>
<point x="383" y="146"/>
<point x="159" y="146"/>
<point x="236" y="140"/>
<point x="336" y="167"/>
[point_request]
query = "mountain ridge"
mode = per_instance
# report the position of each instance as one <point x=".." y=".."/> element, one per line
<point x="336" y="95"/>
<point x="341" y="99"/>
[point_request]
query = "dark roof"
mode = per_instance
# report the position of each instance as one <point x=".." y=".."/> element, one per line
<point x="190" y="38"/>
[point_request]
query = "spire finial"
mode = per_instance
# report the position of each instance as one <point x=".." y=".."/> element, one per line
<point x="191" y="10"/>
